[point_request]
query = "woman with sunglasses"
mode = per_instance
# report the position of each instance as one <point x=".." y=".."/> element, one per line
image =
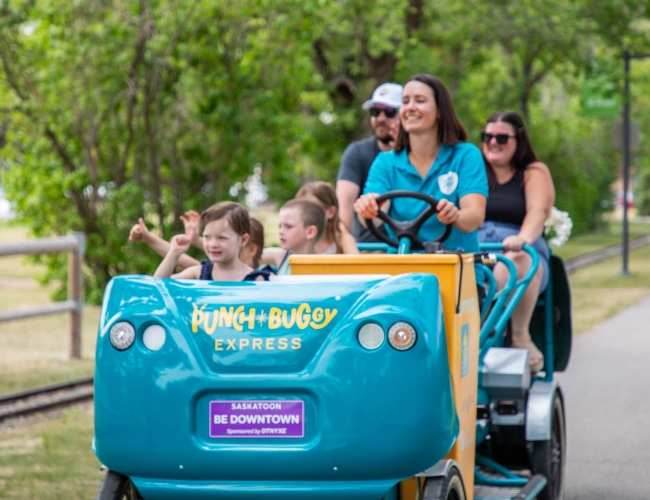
<point x="521" y="198"/>
<point x="431" y="156"/>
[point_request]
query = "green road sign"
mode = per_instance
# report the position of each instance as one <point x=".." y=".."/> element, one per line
<point x="600" y="98"/>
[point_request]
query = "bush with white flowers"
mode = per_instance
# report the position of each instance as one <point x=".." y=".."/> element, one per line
<point x="557" y="228"/>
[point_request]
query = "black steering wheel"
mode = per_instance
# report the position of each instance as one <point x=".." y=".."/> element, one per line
<point x="407" y="228"/>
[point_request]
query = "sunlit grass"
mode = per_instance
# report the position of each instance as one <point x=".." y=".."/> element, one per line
<point x="599" y="291"/>
<point x="50" y="459"/>
<point x="592" y="242"/>
<point x="268" y="216"/>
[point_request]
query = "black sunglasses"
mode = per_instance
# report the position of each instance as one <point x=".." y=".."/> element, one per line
<point x="501" y="138"/>
<point x="389" y="112"/>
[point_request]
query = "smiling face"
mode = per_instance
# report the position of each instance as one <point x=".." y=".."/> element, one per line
<point x="419" y="112"/>
<point x="381" y="124"/>
<point x="221" y="243"/>
<point x="499" y="155"/>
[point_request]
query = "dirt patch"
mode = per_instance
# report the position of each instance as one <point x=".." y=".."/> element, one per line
<point x="7" y="471"/>
<point x="20" y="283"/>
<point x="20" y="446"/>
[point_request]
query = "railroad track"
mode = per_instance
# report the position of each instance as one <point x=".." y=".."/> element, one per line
<point x="45" y="398"/>
<point x="572" y="265"/>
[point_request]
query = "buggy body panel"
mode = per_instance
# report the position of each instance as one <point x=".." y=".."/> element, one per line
<point x="458" y="293"/>
<point x="366" y="424"/>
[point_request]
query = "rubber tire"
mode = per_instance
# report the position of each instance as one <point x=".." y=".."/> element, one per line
<point x="444" y="488"/>
<point x="549" y="457"/>
<point x="116" y="486"/>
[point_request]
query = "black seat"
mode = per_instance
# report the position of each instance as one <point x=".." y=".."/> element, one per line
<point x="562" y="328"/>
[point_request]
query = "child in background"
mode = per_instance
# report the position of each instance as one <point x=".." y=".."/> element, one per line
<point x="336" y="238"/>
<point x="226" y="228"/>
<point x="301" y="224"/>
<point x="250" y="254"/>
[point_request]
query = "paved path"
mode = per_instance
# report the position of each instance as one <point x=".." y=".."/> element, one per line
<point x="607" y="395"/>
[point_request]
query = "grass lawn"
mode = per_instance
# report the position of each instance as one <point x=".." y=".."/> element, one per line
<point x="592" y="242"/>
<point x="599" y="292"/>
<point x="50" y="458"/>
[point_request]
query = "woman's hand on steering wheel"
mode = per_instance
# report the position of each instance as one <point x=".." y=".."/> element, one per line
<point x="448" y="213"/>
<point x="513" y="243"/>
<point x="366" y="206"/>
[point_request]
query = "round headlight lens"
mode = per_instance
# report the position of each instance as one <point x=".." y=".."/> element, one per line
<point x="122" y="335"/>
<point x="402" y="336"/>
<point x="154" y="337"/>
<point x="371" y="336"/>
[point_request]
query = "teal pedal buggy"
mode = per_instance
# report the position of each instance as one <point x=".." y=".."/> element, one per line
<point x="358" y="376"/>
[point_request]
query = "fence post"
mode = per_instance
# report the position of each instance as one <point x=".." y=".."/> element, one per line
<point x="75" y="292"/>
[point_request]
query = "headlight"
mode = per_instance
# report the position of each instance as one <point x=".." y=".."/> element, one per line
<point x="122" y="335"/>
<point x="371" y="336"/>
<point x="402" y="336"/>
<point x="154" y="337"/>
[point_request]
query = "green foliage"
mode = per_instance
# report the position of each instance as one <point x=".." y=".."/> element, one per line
<point x="565" y="140"/>
<point x="116" y="110"/>
<point x="144" y="109"/>
<point x="640" y="159"/>
<point x="642" y="202"/>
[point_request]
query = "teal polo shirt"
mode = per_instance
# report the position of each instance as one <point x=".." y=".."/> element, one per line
<point x="458" y="171"/>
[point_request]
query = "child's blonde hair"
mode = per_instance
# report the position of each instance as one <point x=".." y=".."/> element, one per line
<point x="324" y="193"/>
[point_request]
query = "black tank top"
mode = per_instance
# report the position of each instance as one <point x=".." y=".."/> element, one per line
<point x="206" y="272"/>
<point x="507" y="202"/>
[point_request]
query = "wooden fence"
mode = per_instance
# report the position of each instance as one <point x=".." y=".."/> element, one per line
<point x="75" y="244"/>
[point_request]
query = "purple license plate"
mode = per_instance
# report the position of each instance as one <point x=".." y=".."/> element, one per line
<point x="265" y="419"/>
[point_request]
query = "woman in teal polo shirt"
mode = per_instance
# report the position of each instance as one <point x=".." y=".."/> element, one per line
<point x="431" y="156"/>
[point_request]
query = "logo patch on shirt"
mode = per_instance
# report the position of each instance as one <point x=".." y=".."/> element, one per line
<point x="448" y="183"/>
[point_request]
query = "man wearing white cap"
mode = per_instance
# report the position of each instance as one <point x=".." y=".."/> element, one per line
<point x="358" y="156"/>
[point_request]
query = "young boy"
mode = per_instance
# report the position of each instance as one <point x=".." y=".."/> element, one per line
<point x="301" y="223"/>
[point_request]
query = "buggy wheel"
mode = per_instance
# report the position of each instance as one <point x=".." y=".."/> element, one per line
<point x="448" y="487"/>
<point x="115" y="486"/>
<point x="549" y="457"/>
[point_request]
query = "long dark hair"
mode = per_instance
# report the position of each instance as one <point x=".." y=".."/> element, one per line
<point x="524" y="154"/>
<point x="450" y="129"/>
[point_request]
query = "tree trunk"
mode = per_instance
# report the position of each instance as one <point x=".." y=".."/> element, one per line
<point x="154" y="167"/>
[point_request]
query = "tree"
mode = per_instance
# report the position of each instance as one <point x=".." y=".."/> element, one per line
<point x="116" y="110"/>
<point x="137" y="108"/>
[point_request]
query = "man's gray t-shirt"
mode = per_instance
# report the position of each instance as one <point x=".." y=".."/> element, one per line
<point x="355" y="165"/>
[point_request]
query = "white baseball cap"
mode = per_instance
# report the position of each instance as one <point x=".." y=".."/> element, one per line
<point x="388" y="94"/>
